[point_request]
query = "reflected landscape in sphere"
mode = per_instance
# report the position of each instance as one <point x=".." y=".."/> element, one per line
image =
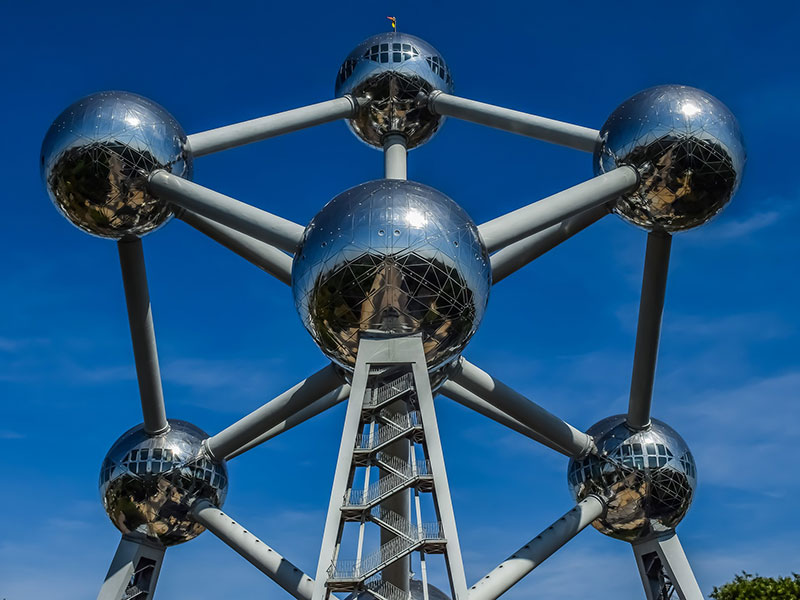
<point x="96" y="158"/>
<point x="395" y="71"/>
<point x="149" y="483"/>
<point x="392" y="257"/>
<point x="648" y="477"/>
<point x="688" y="148"/>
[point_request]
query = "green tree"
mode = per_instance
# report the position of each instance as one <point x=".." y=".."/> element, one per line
<point x="752" y="587"/>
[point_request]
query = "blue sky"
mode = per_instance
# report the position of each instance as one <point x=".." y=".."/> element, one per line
<point x="561" y="331"/>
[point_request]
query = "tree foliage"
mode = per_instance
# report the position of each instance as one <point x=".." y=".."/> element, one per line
<point x="752" y="587"/>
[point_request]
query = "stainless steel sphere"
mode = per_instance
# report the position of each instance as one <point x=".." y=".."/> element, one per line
<point x="97" y="155"/>
<point x="688" y="148"/>
<point x="648" y="478"/>
<point x="148" y="483"/>
<point x="395" y="71"/>
<point x="394" y="257"/>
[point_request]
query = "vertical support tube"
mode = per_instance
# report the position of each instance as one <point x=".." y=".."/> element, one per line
<point x="664" y="568"/>
<point x="140" y="318"/>
<point x="423" y="567"/>
<point x="333" y="521"/>
<point x="526" y="559"/>
<point x="394" y="157"/>
<point x="252" y="549"/>
<point x="648" y="332"/>
<point x="399" y="572"/>
<point x="443" y="500"/>
<point x="134" y="570"/>
<point x="362" y="526"/>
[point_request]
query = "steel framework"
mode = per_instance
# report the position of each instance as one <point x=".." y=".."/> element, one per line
<point x="390" y="427"/>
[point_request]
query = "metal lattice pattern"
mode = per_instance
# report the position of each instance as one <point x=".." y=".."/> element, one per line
<point x="394" y="257"/>
<point x="399" y="269"/>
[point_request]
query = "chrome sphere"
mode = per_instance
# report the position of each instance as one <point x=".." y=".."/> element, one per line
<point x="395" y="71"/>
<point x="148" y="483"/>
<point x="688" y="149"/>
<point x="394" y="257"/>
<point x="648" y="478"/>
<point x="96" y="158"/>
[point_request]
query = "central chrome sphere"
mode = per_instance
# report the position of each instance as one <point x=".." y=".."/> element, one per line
<point x="648" y="478"/>
<point x="149" y="483"/>
<point x="396" y="72"/>
<point x="688" y="148"/>
<point x="394" y="257"/>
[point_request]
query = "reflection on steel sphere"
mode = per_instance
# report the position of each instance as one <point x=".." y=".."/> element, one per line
<point x="393" y="257"/>
<point x="149" y="483"/>
<point x="688" y="148"/>
<point x="648" y="478"/>
<point x="96" y="158"/>
<point x="395" y="71"/>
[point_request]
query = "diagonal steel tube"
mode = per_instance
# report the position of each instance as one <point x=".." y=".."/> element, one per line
<point x="140" y="318"/>
<point x="512" y="258"/>
<point x="511" y="227"/>
<point x="531" y="555"/>
<point x="252" y="221"/>
<point x="329" y="400"/>
<point x="274" y="412"/>
<point x="252" y="549"/>
<point x="517" y="406"/>
<point x="262" y="128"/>
<point x="648" y="331"/>
<point x="541" y="128"/>
<point x="265" y="257"/>
<point x="466" y="398"/>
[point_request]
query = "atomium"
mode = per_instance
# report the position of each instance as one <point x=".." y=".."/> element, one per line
<point x="97" y="155"/>
<point x="688" y="148"/>
<point x="395" y="72"/>
<point x="648" y="478"/>
<point x="149" y="482"/>
<point x="398" y="274"/>
<point x="394" y="257"/>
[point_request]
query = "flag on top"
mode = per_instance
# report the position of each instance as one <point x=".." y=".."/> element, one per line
<point x="394" y="22"/>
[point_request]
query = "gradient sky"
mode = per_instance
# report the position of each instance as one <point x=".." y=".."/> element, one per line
<point x="561" y="331"/>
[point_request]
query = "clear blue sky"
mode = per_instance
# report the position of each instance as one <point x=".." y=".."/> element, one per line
<point x="561" y="331"/>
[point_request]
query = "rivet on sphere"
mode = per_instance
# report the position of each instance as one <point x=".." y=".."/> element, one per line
<point x="149" y="483"/>
<point x="394" y="70"/>
<point x="648" y="478"/>
<point x="96" y="158"/>
<point x="417" y="281"/>
<point x="688" y="148"/>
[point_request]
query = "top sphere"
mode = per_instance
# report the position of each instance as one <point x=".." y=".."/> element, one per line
<point x="648" y="478"/>
<point x="688" y="148"/>
<point x="393" y="70"/>
<point x="96" y="158"/>
<point x="149" y="482"/>
<point x="394" y="257"/>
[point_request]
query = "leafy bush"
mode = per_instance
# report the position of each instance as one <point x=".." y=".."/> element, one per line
<point x="752" y="587"/>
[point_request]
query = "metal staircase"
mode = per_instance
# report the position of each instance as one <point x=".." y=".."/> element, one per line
<point x="390" y="454"/>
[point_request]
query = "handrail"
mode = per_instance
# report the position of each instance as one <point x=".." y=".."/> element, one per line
<point x="399" y="423"/>
<point x="390" y="390"/>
